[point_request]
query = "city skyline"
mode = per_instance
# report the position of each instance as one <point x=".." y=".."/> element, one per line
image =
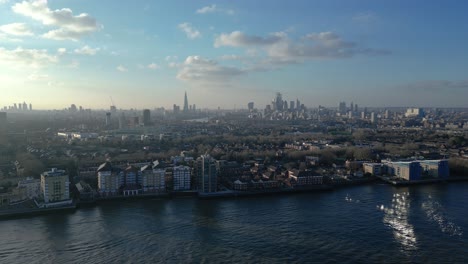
<point x="225" y="54"/>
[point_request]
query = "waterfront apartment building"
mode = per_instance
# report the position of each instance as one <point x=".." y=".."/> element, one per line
<point x="153" y="179"/>
<point x="109" y="179"/>
<point x="181" y="178"/>
<point x="29" y="188"/>
<point x="409" y="171"/>
<point x="206" y="174"/>
<point x="435" y="168"/>
<point x="55" y="186"/>
<point x="375" y="169"/>
<point x="303" y="178"/>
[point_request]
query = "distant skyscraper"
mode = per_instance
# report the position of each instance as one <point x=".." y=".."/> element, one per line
<point x="186" y="106"/>
<point x="146" y="117"/>
<point x="278" y="102"/>
<point x="25" y="106"/>
<point x="20" y="106"/>
<point x="250" y="106"/>
<point x="30" y="107"/>
<point x="206" y="174"/>
<point x="108" y="119"/>
<point x="298" y="104"/>
<point x="356" y="108"/>
<point x="291" y="105"/>
<point x="351" y="107"/>
<point x="122" y="121"/>
<point x="113" y="109"/>
<point x="342" y="107"/>
<point x="372" y="117"/>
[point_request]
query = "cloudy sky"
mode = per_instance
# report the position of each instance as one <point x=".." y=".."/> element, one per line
<point x="145" y="53"/>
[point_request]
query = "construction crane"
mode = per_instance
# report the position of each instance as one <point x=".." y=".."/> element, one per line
<point x="112" y="108"/>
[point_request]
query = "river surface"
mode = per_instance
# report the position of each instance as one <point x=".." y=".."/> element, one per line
<point x="362" y="224"/>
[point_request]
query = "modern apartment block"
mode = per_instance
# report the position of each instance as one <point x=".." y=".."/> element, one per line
<point x="181" y="178"/>
<point x="55" y="186"/>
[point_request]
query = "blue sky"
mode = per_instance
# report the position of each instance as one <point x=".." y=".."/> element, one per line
<point x="145" y="54"/>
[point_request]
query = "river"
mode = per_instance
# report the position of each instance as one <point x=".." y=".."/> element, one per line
<point x="360" y="224"/>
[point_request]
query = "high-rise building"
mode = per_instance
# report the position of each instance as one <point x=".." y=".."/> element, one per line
<point x="186" y="106"/>
<point x="342" y="107"/>
<point x="146" y="117"/>
<point x="206" y="174"/>
<point x="351" y="107"/>
<point x="113" y="109"/>
<point x="373" y="117"/>
<point x="298" y="104"/>
<point x="25" y="106"/>
<point x="55" y="186"/>
<point x="108" y="119"/>
<point x="356" y="108"/>
<point x="291" y="105"/>
<point x="250" y="105"/>
<point x="278" y="102"/>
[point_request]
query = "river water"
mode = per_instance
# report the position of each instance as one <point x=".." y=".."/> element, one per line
<point x="362" y="224"/>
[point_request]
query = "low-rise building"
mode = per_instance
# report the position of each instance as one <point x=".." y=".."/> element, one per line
<point x="30" y="188"/>
<point x="373" y="168"/>
<point x="435" y="168"/>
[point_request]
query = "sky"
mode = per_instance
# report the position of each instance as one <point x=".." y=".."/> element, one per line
<point x="145" y="54"/>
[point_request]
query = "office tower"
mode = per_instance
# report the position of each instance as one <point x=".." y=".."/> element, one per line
<point x="291" y="105"/>
<point x="206" y="174"/>
<point x="342" y="107"/>
<point x="250" y="106"/>
<point x="73" y="108"/>
<point x="176" y="109"/>
<point x="298" y="104"/>
<point x="113" y="109"/>
<point x="108" y="119"/>
<point x="351" y="107"/>
<point x="30" y="107"/>
<point x="15" y="107"/>
<point x="25" y="106"/>
<point x="186" y="106"/>
<point x="20" y="106"/>
<point x="387" y="114"/>
<point x="285" y="105"/>
<point x="372" y="117"/>
<point x="278" y="102"/>
<point x="55" y="186"/>
<point x="356" y="108"/>
<point x="146" y="117"/>
<point x="194" y="108"/>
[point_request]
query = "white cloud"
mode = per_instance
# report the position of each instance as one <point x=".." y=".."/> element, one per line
<point x="191" y="32"/>
<point x="70" y="27"/>
<point x="121" y="68"/>
<point x="61" y="51"/>
<point x="214" y="9"/>
<point x="6" y="38"/>
<point x="196" y="68"/>
<point x="16" y="29"/>
<point x="282" y="49"/>
<point x="38" y="77"/>
<point x="32" y="58"/>
<point x="3" y="1"/>
<point x="239" y="39"/>
<point x="86" y="50"/>
<point x="153" y="66"/>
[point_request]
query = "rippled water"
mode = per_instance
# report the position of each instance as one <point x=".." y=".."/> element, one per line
<point x="365" y="224"/>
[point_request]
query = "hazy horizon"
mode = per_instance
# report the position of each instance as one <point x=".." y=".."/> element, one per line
<point x="226" y="54"/>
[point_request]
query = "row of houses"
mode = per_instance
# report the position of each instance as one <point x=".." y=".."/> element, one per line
<point x="132" y="180"/>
